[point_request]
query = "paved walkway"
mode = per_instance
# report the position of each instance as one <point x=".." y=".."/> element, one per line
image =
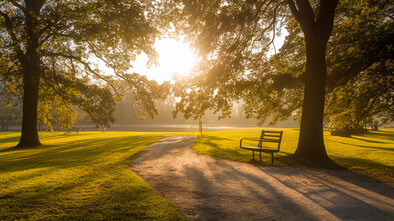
<point x="208" y="188"/>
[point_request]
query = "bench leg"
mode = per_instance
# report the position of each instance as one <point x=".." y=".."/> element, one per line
<point x="253" y="155"/>
<point x="260" y="155"/>
<point x="272" y="158"/>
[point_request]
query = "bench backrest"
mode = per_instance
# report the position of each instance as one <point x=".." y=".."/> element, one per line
<point x="270" y="136"/>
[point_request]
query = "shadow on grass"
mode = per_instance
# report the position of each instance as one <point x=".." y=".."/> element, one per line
<point x="12" y="138"/>
<point x="87" y="179"/>
<point x="218" y="150"/>
<point x="368" y="147"/>
<point x="387" y="135"/>
<point x="371" y="141"/>
<point x="366" y="165"/>
<point x="67" y="155"/>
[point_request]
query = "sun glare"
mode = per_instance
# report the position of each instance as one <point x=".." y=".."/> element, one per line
<point x="175" y="57"/>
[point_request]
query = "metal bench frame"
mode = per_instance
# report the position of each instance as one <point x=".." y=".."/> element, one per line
<point x="266" y="136"/>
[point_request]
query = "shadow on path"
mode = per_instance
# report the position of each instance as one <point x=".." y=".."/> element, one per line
<point x="207" y="188"/>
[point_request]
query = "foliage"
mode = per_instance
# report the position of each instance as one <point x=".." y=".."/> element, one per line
<point x="54" y="111"/>
<point x="356" y="104"/>
<point x="9" y="111"/>
<point x="75" y="48"/>
<point x="359" y="63"/>
<point x="236" y="64"/>
<point x="10" y="108"/>
<point x="86" y="177"/>
<point x="232" y="38"/>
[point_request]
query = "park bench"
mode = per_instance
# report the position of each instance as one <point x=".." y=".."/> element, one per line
<point x="263" y="143"/>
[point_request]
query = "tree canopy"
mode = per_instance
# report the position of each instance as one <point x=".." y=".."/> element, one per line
<point x="234" y="39"/>
<point x="71" y="48"/>
<point x="359" y="62"/>
<point x="335" y="65"/>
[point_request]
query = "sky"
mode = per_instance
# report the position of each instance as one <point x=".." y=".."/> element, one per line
<point x="175" y="57"/>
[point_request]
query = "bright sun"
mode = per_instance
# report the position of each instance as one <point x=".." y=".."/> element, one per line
<point x="175" y="57"/>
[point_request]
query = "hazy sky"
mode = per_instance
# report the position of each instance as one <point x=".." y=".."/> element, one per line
<point x="175" y="57"/>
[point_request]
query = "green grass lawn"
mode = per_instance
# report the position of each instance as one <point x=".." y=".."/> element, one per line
<point x="82" y="176"/>
<point x="371" y="154"/>
<point x="86" y="176"/>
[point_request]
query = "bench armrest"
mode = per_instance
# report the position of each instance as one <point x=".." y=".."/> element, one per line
<point x="247" y="138"/>
<point x="250" y="138"/>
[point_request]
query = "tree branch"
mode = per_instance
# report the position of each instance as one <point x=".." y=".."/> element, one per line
<point x="10" y="30"/>
<point x="294" y="10"/>
<point x="325" y="18"/>
<point x="366" y="111"/>
<point x="304" y="15"/>
<point x="86" y="64"/>
<point x="16" y="4"/>
<point x="306" y="10"/>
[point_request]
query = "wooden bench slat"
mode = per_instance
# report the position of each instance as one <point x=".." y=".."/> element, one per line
<point x="267" y="135"/>
<point x="269" y="140"/>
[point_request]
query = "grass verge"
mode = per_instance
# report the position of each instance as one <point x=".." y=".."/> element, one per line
<point x="370" y="154"/>
<point x="82" y="176"/>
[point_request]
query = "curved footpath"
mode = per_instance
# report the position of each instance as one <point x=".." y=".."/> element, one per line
<point x="208" y="188"/>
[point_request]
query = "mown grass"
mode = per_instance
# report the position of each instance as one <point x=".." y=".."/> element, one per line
<point x="86" y="176"/>
<point x="82" y="176"/>
<point x="371" y="154"/>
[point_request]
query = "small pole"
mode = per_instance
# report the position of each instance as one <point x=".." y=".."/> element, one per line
<point x="200" y="126"/>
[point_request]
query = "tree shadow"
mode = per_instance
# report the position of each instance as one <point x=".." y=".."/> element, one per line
<point x="209" y="188"/>
<point x="387" y="135"/>
<point x="66" y="155"/>
<point x="364" y="146"/>
<point x="13" y="138"/>
<point x="372" y="169"/>
<point x="217" y="150"/>
<point x="370" y="141"/>
<point x="353" y="189"/>
<point x="88" y="179"/>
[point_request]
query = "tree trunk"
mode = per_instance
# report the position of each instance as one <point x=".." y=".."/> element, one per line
<point x="317" y="30"/>
<point x="31" y="69"/>
<point x="311" y="143"/>
<point x="31" y="81"/>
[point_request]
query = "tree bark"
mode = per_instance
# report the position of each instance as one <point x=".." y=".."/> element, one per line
<point x="31" y="69"/>
<point x="311" y="143"/>
<point x="31" y="81"/>
<point x="317" y="30"/>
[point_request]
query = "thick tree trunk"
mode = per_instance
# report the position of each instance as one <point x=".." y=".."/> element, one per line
<point x="311" y="143"/>
<point x="31" y="81"/>
<point x="31" y="68"/>
<point x="317" y="29"/>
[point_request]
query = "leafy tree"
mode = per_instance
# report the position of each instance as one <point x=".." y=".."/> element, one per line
<point x="53" y="110"/>
<point x="59" y="43"/>
<point x="353" y="106"/>
<point x="197" y="99"/>
<point x="360" y="64"/>
<point x="234" y="37"/>
<point x="359" y="83"/>
<point x="10" y="108"/>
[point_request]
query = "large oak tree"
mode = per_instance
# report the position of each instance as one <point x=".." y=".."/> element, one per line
<point x="359" y="63"/>
<point x="234" y="38"/>
<point x="69" y="45"/>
